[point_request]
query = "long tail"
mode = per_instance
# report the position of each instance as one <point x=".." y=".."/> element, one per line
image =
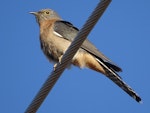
<point x="111" y="74"/>
<point x="108" y="69"/>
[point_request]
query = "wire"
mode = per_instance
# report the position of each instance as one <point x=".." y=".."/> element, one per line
<point x="66" y="59"/>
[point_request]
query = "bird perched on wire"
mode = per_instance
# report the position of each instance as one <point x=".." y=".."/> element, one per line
<point x="56" y="35"/>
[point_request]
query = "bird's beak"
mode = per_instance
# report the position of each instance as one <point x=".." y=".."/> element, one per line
<point x="34" y="13"/>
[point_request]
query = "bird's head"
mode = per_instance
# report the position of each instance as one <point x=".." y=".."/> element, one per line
<point x="45" y="14"/>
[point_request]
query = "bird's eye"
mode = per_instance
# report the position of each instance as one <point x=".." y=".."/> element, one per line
<point x="47" y="12"/>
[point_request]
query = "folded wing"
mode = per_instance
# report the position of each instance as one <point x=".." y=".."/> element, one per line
<point x="68" y="31"/>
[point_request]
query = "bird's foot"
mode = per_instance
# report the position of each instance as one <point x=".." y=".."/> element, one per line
<point x="54" y="67"/>
<point x="60" y="58"/>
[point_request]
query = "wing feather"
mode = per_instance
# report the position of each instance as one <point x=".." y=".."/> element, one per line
<point x="69" y="32"/>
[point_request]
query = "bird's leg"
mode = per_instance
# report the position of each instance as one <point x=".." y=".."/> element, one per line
<point x="60" y="58"/>
<point x="54" y="67"/>
<point x="59" y="61"/>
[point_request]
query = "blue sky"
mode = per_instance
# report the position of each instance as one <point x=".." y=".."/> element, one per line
<point x="122" y="34"/>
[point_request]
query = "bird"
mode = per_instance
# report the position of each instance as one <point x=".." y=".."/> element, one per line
<point x="57" y="34"/>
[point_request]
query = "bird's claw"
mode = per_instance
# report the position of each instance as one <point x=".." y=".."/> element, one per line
<point x="55" y="65"/>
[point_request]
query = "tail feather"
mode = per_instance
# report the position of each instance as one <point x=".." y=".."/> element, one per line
<point x="113" y="66"/>
<point x="111" y="74"/>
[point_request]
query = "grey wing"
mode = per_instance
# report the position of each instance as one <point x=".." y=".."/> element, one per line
<point x="66" y="30"/>
<point x="69" y="32"/>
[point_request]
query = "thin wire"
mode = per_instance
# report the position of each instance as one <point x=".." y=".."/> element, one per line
<point x="73" y="48"/>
